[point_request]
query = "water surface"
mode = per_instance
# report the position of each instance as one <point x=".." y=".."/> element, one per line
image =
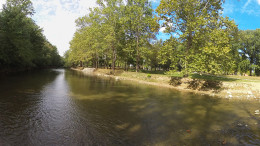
<point x="64" y="107"/>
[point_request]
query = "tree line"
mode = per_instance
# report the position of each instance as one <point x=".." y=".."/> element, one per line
<point x="112" y="34"/>
<point x="23" y="45"/>
<point x="123" y="33"/>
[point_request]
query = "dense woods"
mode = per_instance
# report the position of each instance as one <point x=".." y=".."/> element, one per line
<point x="23" y="45"/>
<point x="123" y="34"/>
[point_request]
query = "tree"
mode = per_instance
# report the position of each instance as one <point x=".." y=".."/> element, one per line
<point x="199" y="26"/>
<point x="171" y="54"/>
<point x="244" y="66"/>
<point x="112" y="14"/>
<point x="140" y="27"/>
<point x="22" y="41"/>
<point x="250" y="49"/>
<point x="16" y="30"/>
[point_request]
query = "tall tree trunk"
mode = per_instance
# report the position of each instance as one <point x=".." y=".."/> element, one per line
<point x="251" y="62"/>
<point x="189" y="44"/>
<point x="114" y="60"/>
<point x="97" y="61"/>
<point x="107" y="63"/>
<point x="107" y="60"/>
<point x="137" y="54"/>
<point x="80" y="63"/>
<point x="125" y="66"/>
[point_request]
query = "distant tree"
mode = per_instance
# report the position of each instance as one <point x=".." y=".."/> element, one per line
<point x="244" y="66"/>
<point x="250" y="49"/>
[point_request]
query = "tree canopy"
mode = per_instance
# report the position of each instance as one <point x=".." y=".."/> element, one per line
<point x="123" y="33"/>
<point x="250" y="51"/>
<point x="114" y="32"/>
<point x="23" y="44"/>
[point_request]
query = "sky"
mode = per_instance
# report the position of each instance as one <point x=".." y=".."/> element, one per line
<point x="57" y="17"/>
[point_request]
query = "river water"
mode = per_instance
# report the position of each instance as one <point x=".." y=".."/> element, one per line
<point x="64" y="107"/>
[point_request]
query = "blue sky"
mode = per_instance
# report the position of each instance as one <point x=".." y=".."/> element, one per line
<point x="57" y="17"/>
<point x="246" y="14"/>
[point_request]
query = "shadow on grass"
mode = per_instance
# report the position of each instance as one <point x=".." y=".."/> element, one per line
<point x="205" y="85"/>
<point x="212" y="85"/>
<point x="194" y="84"/>
<point x="175" y="81"/>
<point x="198" y="84"/>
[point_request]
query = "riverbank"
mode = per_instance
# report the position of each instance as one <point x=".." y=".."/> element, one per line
<point x="230" y="87"/>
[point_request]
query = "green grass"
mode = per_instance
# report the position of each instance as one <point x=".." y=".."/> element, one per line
<point x="212" y="77"/>
<point x="175" y="74"/>
<point x="153" y="72"/>
<point x="143" y="74"/>
<point x="223" y="78"/>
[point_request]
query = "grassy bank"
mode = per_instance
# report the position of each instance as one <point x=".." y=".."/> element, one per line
<point x="237" y="87"/>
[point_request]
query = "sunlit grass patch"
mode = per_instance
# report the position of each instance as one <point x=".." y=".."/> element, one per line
<point x="212" y="77"/>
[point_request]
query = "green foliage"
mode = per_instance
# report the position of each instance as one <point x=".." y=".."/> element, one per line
<point x="211" y="77"/>
<point x="140" y="26"/>
<point x="249" y="49"/>
<point x="244" y="66"/>
<point x="111" y="33"/>
<point x="202" y="40"/>
<point x="204" y="34"/>
<point x="22" y="42"/>
<point x="174" y="73"/>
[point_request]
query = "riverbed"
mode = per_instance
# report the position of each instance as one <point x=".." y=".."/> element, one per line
<point x="65" y="107"/>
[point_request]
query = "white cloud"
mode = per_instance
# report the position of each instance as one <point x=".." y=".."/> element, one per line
<point x="155" y="1"/>
<point x="1" y="3"/>
<point x="229" y="7"/>
<point x="246" y="4"/>
<point x="251" y="8"/>
<point x="57" y="18"/>
<point x="162" y="29"/>
<point x="258" y="1"/>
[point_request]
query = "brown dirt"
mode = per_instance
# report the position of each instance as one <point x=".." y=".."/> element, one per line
<point x="231" y="90"/>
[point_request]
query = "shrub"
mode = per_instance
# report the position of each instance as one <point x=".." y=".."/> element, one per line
<point x="175" y="81"/>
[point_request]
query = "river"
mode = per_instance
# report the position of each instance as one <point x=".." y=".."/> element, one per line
<point x="65" y="107"/>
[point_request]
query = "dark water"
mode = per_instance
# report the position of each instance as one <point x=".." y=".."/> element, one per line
<point x="62" y="107"/>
